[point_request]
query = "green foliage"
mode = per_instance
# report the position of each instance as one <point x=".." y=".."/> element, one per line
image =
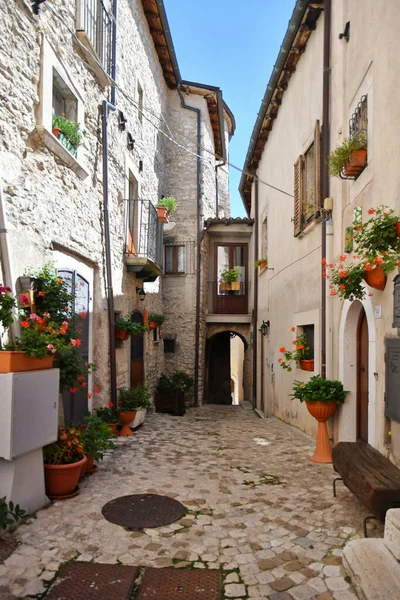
<point x="169" y="203"/>
<point x="70" y="129"/>
<point x="378" y="234"/>
<point x="95" y="437"/>
<point x="7" y="305"/>
<point x="52" y="294"/>
<point x="346" y="280"/>
<point x="338" y="157"/>
<point x="300" y="351"/>
<point x="317" y="388"/>
<point x="156" y="318"/>
<point x="66" y="450"/>
<point x="258" y="262"/>
<point x="10" y="513"/>
<point x="230" y="275"/>
<point x="182" y="381"/>
<point x="135" y="398"/>
<point x="106" y="414"/>
<point x="128" y="325"/>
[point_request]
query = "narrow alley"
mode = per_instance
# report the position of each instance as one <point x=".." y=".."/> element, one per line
<point x="257" y="509"/>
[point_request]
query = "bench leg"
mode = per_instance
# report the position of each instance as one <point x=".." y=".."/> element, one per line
<point x="365" y="524"/>
<point x="334" y="485"/>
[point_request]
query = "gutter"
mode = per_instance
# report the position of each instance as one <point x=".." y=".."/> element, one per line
<point x="168" y="39"/>
<point x="255" y="303"/>
<point x="294" y="24"/>
<point x="199" y="236"/>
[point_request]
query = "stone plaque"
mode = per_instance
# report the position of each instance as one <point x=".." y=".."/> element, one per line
<point x="392" y="403"/>
<point x="396" y="302"/>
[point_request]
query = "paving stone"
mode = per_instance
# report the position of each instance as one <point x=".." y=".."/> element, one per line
<point x="232" y="578"/>
<point x="327" y="596"/>
<point x="336" y="584"/>
<point x="302" y="592"/>
<point x="280" y="596"/>
<point x="283" y="584"/>
<point x="235" y="590"/>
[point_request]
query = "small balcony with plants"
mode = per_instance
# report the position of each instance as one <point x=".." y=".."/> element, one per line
<point x="144" y="240"/>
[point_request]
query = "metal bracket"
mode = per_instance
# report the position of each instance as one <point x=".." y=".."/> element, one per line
<point x="334" y="485"/>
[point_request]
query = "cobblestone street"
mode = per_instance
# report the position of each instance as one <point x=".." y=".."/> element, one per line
<point x="277" y="537"/>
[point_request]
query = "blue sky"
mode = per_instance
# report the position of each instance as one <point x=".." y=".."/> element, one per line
<point x="232" y="44"/>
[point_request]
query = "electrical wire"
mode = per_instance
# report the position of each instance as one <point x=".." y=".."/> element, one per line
<point x="134" y="103"/>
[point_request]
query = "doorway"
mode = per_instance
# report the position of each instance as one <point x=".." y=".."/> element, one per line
<point x="362" y="378"/>
<point x="137" y="368"/>
<point x="224" y="370"/>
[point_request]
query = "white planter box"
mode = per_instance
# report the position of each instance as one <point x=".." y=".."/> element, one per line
<point x="28" y="411"/>
<point x="139" y="418"/>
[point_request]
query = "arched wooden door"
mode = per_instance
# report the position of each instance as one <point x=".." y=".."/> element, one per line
<point x="362" y="378"/>
<point x="137" y="352"/>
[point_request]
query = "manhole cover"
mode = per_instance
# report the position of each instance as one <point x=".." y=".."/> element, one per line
<point x="178" y="584"/>
<point x="92" y="581"/>
<point x="139" y="511"/>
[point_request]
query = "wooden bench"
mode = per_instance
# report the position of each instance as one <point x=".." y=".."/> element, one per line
<point x="371" y="477"/>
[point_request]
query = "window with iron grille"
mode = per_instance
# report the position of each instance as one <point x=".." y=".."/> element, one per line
<point x="307" y="184"/>
<point x="358" y="124"/>
<point x="174" y="259"/>
<point x="94" y="24"/>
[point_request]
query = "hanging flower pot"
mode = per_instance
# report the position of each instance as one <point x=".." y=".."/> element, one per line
<point x="14" y="361"/>
<point x="322" y="411"/>
<point x="162" y="214"/>
<point x="376" y="278"/>
<point x="263" y="264"/>
<point x="121" y="334"/>
<point x="307" y="365"/>
<point x="356" y="163"/>
<point x="152" y="324"/>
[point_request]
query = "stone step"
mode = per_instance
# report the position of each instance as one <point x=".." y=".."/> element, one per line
<point x="392" y="532"/>
<point x="374" y="571"/>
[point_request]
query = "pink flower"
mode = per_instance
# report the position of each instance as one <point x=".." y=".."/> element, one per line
<point x="76" y="343"/>
<point x="51" y="348"/>
<point x="33" y="317"/>
<point x="25" y="300"/>
<point x="47" y="315"/>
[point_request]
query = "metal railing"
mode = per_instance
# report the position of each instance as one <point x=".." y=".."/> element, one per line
<point x="222" y="300"/>
<point x="97" y="23"/>
<point x="144" y="232"/>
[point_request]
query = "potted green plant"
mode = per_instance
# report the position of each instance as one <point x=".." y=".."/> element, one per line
<point x="108" y="416"/>
<point x="125" y="327"/>
<point x="129" y="400"/>
<point x="170" y="394"/>
<point x="321" y="397"/>
<point x="68" y="133"/>
<point x="95" y="439"/>
<point x="230" y="279"/>
<point x="349" y="158"/>
<point x="260" y="262"/>
<point x="63" y="461"/>
<point x="155" y="320"/>
<point x="300" y="355"/>
<point x="165" y="207"/>
<point x="380" y="233"/>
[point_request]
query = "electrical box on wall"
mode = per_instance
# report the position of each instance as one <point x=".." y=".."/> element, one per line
<point x="29" y="411"/>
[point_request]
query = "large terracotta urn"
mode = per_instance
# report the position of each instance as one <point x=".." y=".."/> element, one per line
<point x="322" y="411"/>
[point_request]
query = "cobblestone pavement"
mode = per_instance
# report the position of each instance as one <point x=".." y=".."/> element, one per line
<point x="277" y="537"/>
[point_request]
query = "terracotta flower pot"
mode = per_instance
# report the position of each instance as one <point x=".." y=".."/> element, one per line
<point x="126" y="417"/>
<point x="62" y="480"/>
<point x="376" y="278"/>
<point x="356" y="163"/>
<point x="121" y="334"/>
<point x="263" y="264"/>
<point x="162" y="214"/>
<point x="322" y="411"/>
<point x="307" y="365"/>
<point x="397" y="228"/>
<point x="14" y="361"/>
<point x="152" y="325"/>
<point x="56" y="131"/>
<point x="90" y="466"/>
<point x="113" y="427"/>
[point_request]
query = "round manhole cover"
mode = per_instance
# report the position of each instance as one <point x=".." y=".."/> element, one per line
<point x="139" y="511"/>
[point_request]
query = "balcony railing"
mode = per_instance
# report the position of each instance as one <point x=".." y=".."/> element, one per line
<point x="228" y="301"/>
<point x="96" y="23"/>
<point x="144" y="239"/>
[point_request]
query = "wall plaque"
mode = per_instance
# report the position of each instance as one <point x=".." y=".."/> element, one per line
<point x="396" y="302"/>
<point x="392" y="392"/>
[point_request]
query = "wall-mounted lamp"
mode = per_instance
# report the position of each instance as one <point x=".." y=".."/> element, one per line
<point x="346" y="33"/>
<point x="122" y="121"/>
<point x="264" y="327"/>
<point x="140" y="166"/>
<point x="141" y="293"/>
<point x="130" y="142"/>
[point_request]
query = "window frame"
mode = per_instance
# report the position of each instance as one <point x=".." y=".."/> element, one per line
<point x="175" y="259"/>
<point x="301" y="185"/>
<point x="93" y="42"/>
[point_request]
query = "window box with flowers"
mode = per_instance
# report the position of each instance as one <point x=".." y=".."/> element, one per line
<point x="230" y="279"/>
<point x="68" y="133"/>
<point x="300" y="355"/>
<point x="349" y="159"/>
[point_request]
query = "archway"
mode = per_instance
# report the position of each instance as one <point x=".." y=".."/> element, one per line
<point x="358" y="417"/>
<point x="224" y="370"/>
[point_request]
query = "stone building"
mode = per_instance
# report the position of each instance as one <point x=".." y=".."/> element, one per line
<point x="92" y="214"/>
<point x="309" y="107"/>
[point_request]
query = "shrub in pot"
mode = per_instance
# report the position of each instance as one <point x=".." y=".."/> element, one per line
<point x="125" y="327"/>
<point x="321" y="397"/>
<point x="63" y="460"/>
<point x="170" y="392"/>
<point x="165" y="207"/>
<point x="155" y="320"/>
<point x="129" y="401"/>
<point x="95" y="440"/>
<point x="108" y="416"/>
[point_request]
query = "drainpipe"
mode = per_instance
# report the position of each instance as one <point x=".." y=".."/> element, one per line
<point x="329" y="310"/>
<point x="114" y="52"/>
<point x="255" y="306"/>
<point x="106" y="106"/>
<point x="325" y="175"/>
<point x="199" y="237"/>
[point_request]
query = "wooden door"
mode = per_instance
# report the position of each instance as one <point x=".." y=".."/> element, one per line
<point x="137" y="353"/>
<point x="229" y="256"/>
<point x="362" y="379"/>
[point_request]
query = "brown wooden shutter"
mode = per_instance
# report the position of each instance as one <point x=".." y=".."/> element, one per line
<point x="318" y="166"/>
<point x="298" y="195"/>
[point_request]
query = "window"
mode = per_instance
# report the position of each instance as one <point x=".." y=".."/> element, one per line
<point x="169" y="346"/>
<point x="307" y="184"/>
<point x="174" y="259"/>
<point x="358" y="124"/>
<point x="64" y="101"/>
<point x="309" y="332"/>
<point x="94" y="25"/>
<point x="140" y="103"/>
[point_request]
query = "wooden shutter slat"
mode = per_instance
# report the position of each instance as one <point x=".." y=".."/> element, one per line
<point x="298" y="195"/>
<point x="318" y="166"/>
